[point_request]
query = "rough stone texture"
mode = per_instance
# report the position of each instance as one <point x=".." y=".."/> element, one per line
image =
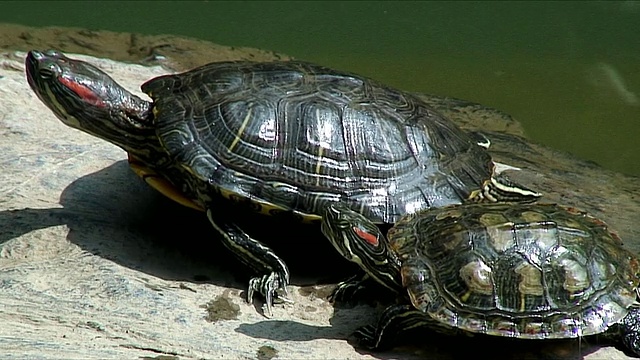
<point x="94" y="264"/>
<point x="177" y="53"/>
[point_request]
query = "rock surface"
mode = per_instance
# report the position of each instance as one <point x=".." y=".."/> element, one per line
<point x="94" y="264"/>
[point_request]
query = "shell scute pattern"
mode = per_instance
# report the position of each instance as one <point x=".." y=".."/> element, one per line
<point x="512" y="270"/>
<point x="247" y="128"/>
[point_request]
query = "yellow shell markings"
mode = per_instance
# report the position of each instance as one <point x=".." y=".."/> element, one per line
<point x="268" y="208"/>
<point x="576" y="277"/>
<point x="477" y="276"/>
<point x="533" y="216"/>
<point x="492" y="219"/>
<point x="456" y="241"/>
<point x="501" y="236"/>
<point x="323" y="140"/>
<point x="319" y="165"/>
<point x="453" y="212"/>
<point x="157" y="182"/>
<point x="265" y="207"/>
<point x="530" y="283"/>
<point x="500" y="231"/>
<point x="167" y="189"/>
<point x="243" y="126"/>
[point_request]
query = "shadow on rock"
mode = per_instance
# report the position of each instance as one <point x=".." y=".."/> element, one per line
<point x="342" y="324"/>
<point x="113" y="214"/>
<point x="422" y="343"/>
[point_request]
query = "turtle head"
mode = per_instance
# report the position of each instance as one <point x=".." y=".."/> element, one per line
<point x="360" y="241"/>
<point x="84" y="97"/>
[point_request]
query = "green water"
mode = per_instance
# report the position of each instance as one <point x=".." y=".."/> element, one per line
<point x="568" y="71"/>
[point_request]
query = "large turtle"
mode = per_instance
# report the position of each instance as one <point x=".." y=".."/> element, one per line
<point x="281" y="137"/>
<point x="530" y="271"/>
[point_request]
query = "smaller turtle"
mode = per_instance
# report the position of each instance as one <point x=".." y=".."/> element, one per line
<point x="530" y="271"/>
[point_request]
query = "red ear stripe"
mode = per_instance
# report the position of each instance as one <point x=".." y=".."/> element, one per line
<point x="368" y="237"/>
<point x="83" y="91"/>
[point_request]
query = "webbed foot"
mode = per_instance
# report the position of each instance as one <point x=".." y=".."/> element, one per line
<point x="273" y="287"/>
<point x="274" y="275"/>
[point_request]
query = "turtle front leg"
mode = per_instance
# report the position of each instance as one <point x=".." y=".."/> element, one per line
<point x="349" y="290"/>
<point x="394" y="320"/>
<point x="361" y="287"/>
<point x="259" y="257"/>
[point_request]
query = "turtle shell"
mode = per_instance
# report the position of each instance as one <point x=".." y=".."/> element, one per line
<point x="293" y="136"/>
<point x="526" y="271"/>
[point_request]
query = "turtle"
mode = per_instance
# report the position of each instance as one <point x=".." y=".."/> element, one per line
<point x="282" y="138"/>
<point x="528" y="271"/>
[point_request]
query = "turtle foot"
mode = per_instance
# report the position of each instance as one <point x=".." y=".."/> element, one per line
<point x="256" y="255"/>
<point x="274" y="289"/>
<point x="367" y="337"/>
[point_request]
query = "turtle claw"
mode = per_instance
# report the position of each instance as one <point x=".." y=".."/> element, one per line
<point x="269" y="286"/>
<point x="256" y="255"/>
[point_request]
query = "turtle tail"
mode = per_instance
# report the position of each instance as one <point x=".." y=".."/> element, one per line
<point x="500" y="189"/>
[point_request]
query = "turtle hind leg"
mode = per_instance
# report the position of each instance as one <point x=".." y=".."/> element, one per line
<point x="274" y="278"/>
<point x="500" y="189"/>
<point x="629" y="331"/>
<point x="394" y="320"/>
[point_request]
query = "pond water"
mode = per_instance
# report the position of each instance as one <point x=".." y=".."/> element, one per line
<point x="568" y="71"/>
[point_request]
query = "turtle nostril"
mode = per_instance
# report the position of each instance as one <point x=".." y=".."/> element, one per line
<point x="49" y="71"/>
<point x="51" y="52"/>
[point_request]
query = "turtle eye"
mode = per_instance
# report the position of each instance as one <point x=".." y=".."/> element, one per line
<point x="46" y="73"/>
<point x="49" y="71"/>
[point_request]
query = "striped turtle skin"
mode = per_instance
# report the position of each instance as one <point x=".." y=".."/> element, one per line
<point x="279" y="137"/>
<point x="530" y="271"/>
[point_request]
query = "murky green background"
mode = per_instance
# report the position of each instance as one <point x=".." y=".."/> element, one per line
<point x="569" y="71"/>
